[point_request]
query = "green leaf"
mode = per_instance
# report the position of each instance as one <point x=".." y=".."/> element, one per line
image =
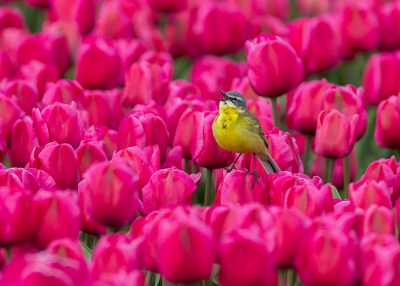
<point x="86" y="251"/>
<point x="335" y="193"/>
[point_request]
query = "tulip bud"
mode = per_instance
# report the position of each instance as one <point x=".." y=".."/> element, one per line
<point x="266" y="77"/>
<point x="364" y="194"/>
<point x="11" y="18"/>
<point x="313" y="262"/>
<point x="186" y="250"/>
<point x="231" y="32"/>
<point x="384" y="130"/>
<point x="98" y="63"/>
<point x="339" y="144"/>
<point x="112" y="186"/>
<point x="64" y="91"/>
<point x="205" y="150"/>
<point x="114" y="253"/>
<point x="162" y="59"/>
<point x="55" y="207"/>
<point x="143" y="128"/>
<point x="23" y="141"/>
<point x="379" y="219"/>
<point x="169" y="187"/>
<point x="284" y="150"/>
<point x="387" y="17"/>
<point x="318" y="201"/>
<point x="241" y="187"/>
<point x="129" y="51"/>
<point x="25" y="93"/>
<point x="89" y="153"/>
<point x="378" y="78"/>
<point x="245" y="260"/>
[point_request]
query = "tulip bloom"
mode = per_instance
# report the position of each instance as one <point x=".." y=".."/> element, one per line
<point x="98" y="63"/>
<point x="385" y="131"/>
<point x="23" y="141"/>
<point x="380" y="220"/>
<point x="112" y="186"/>
<point x="64" y="91"/>
<point x="364" y="194"/>
<point x="186" y="250"/>
<point x="58" y="122"/>
<point x="303" y="111"/>
<point x="186" y="131"/>
<point x="227" y="23"/>
<point x="55" y="207"/>
<point x="379" y="79"/>
<point x="336" y="144"/>
<point x="8" y="118"/>
<point x="26" y="94"/>
<point x="262" y="109"/>
<point x="102" y="133"/>
<point x="89" y="153"/>
<point x="11" y="18"/>
<point x="169" y="187"/>
<point x="267" y="77"/>
<point x="205" y="150"/>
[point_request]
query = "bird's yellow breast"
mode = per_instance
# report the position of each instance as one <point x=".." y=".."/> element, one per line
<point x="234" y="131"/>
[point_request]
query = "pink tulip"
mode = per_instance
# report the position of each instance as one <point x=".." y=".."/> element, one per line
<point x="181" y="89"/>
<point x="54" y="207"/>
<point x="14" y="112"/>
<point x="284" y="150"/>
<point x="379" y="81"/>
<point x="174" y="158"/>
<point x="186" y="250"/>
<point x="58" y="122"/>
<point x="106" y="24"/>
<point x="169" y="187"/>
<point x="262" y="109"/>
<point x="143" y="128"/>
<point x="279" y="9"/>
<point x="313" y="260"/>
<point x="318" y="169"/>
<point x="212" y="73"/>
<point x="386" y="170"/>
<point x="129" y="51"/>
<point x="114" y="253"/>
<point x="29" y="179"/>
<point x="98" y="106"/>
<point x="26" y="94"/>
<point x="309" y="199"/>
<point x="227" y="23"/>
<point x="359" y="26"/>
<point x="388" y="23"/>
<point x="245" y="260"/>
<point x="346" y="100"/>
<point x="11" y="18"/>
<point x="38" y="74"/>
<point x="379" y="219"/>
<point x="98" y="63"/>
<point x="64" y="91"/>
<point x="3" y="144"/>
<point x="112" y="186"/>
<point x="89" y="153"/>
<point x="19" y="219"/>
<point x="102" y="133"/>
<point x="270" y="79"/>
<point x="305" y="106"/>
<point x="186" y="131"/>
<point x="243" y="86"/>
<point x="145" y="81"/>
<point x="59" y="161"/>
<point x="364" y="194"/>
<point x="384" y="130"/>
<point x="239" y="187"/>
<point x="205" y="150"/>
<point x="339" y="144"/>
<point x="23" y="141"/>
<point x="311" y="7"/>
<point x="267" y="24"/>
<point x="316" y="42"/>
<point x="153" y="107"/>
<point x="7" y="69"/>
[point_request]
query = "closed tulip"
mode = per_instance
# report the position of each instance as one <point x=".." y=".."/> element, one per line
<point x="112" y="186"/>
<point x="228" y="24"/>
<point x="186" y="131"/>
<point x="102" y="133"/>
<point x="98" y="107"/>
<point x="387" y="17"/>
<point x="98" y="63"/>
<point x="7" y="66"/>
<point x="26" y="94"/>
<point x="59" y="161"/>
<point x="169" y="187"/>
<point x="58" y="122"/>
<point x="14" y="112"/>
<point x="302" y="113"/>
<point x="267" y="77"/>
<point x="186" y="250"/>
<point x="64" y="91"/>
<point x="89" y="153"/>
<point x="30" y="179"/>
<point x="54" y="208"/>
<point x="23" y="141"/>
<point x="339" y="144"/>
<point x="143" y="128"/>
<point x="243" y="86"/>
<point x="205" y="150"/>
<point x="379" y="219"/>
<point x="129" y="50"/>
<point x="239" y="187"/>
<point x="11" y="18"/>
<point x="385" y="134"/>
<point x="262" y="109"/>
<point x="364" y="194"/>
<point x="379" y="80"/>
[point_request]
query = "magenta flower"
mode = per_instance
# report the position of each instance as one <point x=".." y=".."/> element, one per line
<point x="26" y="94"/>
<point x="64" y="91"/>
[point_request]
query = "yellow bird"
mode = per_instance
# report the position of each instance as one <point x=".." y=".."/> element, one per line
<point x="236" y="129"/>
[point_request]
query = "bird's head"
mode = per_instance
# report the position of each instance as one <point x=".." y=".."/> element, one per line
<point x="233" y="98"/>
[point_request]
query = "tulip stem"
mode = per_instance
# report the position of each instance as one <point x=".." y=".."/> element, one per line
<point x="291" y="277"/>
<point x="346" y="177"/>
<point x="306" y="153"/>
<point x="329" y="163"/>
<point x="207" y="194"/>
<point x="274" y="101"/>
<point x="89" y="241"/>
<point x="8" y="253"/>
<point x="281" y="278"/>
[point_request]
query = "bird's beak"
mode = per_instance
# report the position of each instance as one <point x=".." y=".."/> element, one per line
<point x="224" y="95"/>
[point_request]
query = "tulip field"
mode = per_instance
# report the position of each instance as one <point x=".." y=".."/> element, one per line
<point x="109" y="171"/>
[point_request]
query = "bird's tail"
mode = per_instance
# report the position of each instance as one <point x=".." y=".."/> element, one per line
<point x="268" y="163"/>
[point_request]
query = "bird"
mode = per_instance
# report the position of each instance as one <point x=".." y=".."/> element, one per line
<point x="236" y="129"/>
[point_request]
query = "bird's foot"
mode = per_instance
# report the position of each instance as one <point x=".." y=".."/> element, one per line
<point x="230" y="169"/>
<point x="255" y="178"/>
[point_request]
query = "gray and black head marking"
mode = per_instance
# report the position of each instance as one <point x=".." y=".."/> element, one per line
<point x="234" y="97"/>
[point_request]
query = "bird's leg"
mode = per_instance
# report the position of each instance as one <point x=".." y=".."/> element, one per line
<point x="255" y="171"/>
<point x="233" y="165"/>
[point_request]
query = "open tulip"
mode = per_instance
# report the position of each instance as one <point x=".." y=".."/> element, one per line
<point x="267" y="77"/>
<point x="339" y="144"/>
